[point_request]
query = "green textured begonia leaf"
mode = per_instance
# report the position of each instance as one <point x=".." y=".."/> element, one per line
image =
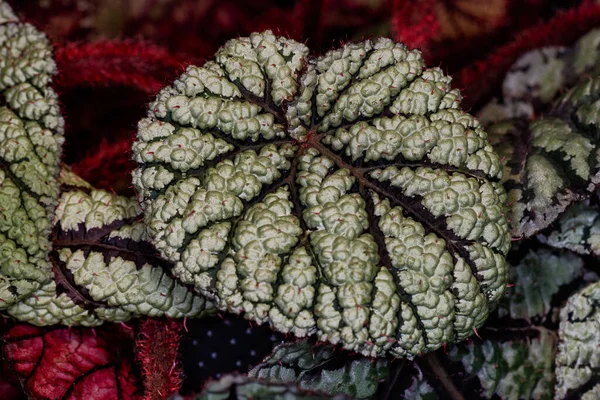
<point x="512" y="370"/>
<point x="578" y="229"/>
<point x="31" y="137"/>
<point x="538" y="277"/>
<point x="345" y="195"/>
<point x="242" y="387"/>
<point x="578" y="358"/>
<point x="104" y="266"/>
<point x="317" y="368"/>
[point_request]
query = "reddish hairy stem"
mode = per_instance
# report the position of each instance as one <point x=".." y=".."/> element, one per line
<point x="144" y="66"/>
<point x="157" y="347"/>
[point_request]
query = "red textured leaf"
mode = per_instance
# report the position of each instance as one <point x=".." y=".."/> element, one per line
<point x="157" y="347"/>
<point x="72" y="363"/>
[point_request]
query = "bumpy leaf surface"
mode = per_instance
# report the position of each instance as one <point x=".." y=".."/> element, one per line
<point x="318" y="368"/>
<point x="345" y="195"/>
<point x="104" y="267"/>
<point x="242" y="387"/>
<point x="31" y="138"/>
<point x="578" y="358"/>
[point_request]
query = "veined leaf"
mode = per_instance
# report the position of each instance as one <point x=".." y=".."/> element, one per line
<point x="578" y="359"/>
<point x="72" y="363"/>
<point x="345" y="195"/>
<point x="242" y="387"/>
<point x="551" y="160"/>
<point x="578" y="229"/>
<point x="104" y="267"/>
<point x="31" y="138"/>
<point x="537" y="278"/>
<point x="513" y="370"/>
<point x="317" y="368"/>
<point x="537" y="78"/>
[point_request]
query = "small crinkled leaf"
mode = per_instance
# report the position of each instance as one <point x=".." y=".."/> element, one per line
<point x="31" y="137"/>
<point x="535" y="80"/>
<point x="550" y="162"/>
<point x="345" y="195"/>
<point x="243" y="387"/>
<point x="578" y="229"/>
<point x="578" y="359"/>
<point x="317" y="368"/>
<point x="512" y="370"/>
<point x="104" y="267"/>
<point x="419" y="388"/>
<point x="537" y="277"/>
<point x="72" y="363"/>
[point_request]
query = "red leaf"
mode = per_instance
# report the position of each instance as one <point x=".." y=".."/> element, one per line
<point x="72" y="363"/>
<point x="157" y="347"/>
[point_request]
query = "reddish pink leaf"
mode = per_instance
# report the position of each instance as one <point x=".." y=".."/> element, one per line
<point x="72" y="363"/>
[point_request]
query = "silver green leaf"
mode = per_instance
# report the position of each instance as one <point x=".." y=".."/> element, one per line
<point x="31" y="137"/>
<point x="419" y="388"/>
<point x="551" y="162"/>
<point x="513" y="370"/>
<point x="243" y="387"/>
<point x="307" y="366"/>
<point x="345" y="195"/>
<point x="537" y="78"/>
<point x="537" y="277"/>
<point x="104" y="267"/>
<point x="578" y="229"/>
<point x="578" y="359"/>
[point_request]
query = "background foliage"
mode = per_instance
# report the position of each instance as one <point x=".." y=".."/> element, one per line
<point x="107" y="49"/>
